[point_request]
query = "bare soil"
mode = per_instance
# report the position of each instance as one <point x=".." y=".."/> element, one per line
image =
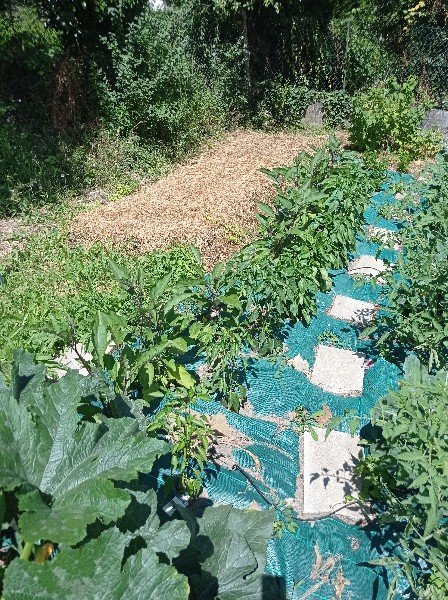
<point x="12" y="235"/>
<point x="209" y="201"/>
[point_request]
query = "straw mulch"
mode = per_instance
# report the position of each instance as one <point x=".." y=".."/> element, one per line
<point x="209" y="201"/>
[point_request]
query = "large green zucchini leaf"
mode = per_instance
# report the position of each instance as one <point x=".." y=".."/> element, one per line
<point x="94" y="572"/>
<point x="230" y="545"/>
<point x="63" y="470"/>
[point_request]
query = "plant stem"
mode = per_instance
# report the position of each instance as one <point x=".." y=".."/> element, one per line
<point x="25" y="553"/>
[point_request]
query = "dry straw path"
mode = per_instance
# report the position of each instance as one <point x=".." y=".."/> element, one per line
<point x="208" y="201"/>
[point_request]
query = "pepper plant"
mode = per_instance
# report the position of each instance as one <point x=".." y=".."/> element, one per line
<point x="142" y="362"/>
<point x="308" y="230"/>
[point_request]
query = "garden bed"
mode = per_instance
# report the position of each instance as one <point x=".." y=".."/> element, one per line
<point x="209" y="201"/>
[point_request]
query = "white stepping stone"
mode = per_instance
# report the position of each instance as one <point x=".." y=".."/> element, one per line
<point x="366" y="265"/>
<point x="384" y="236"/>
<point x="338" y="371"/>
<point x="70" y="360"/>
<point x="299" y="364"/>
<point x="351" y="310"/>
<point x="327" y="475"/>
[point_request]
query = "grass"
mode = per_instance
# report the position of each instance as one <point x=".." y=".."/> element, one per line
<point x="49" y="279"/>
<point x="43" y="167"/>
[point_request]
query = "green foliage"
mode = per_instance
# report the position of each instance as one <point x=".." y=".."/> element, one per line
<point x="120" y="164"/>
<point x="156" y="88"/>
<point x="27" y="180"/>
<point x="221" y="575"/>
<point x="307" y="231"/>
<point x="22" y="31"/>
<point x="73" y="495"/>
<point x="415" y="316"/>
<point x="284" y="104"/>
<point x="50" y="280"/>
<point x="338" y="106"/>
<point x="148" y="342"/>
<point x="219" y="327"/>
<point x="115" y="164"/>
<point x="306" y="421"/>
<point x="389" y="116"/>
<point x="83" y="25"/>
<point x="191" y="438"/>
<point x="406" y="471"/>
<point x="146" y="368"/>
<point x="367" y="58"/>
<point x="63" y="473"/>
<point x="99" y="561"/>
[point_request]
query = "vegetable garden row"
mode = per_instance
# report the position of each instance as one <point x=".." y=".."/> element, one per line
<point x="90" y="460"/>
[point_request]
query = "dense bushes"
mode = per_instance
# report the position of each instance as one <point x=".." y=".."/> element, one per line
<point x="29" y="53"/>
<point x="284" y="104"/>
<point x="155" y="88"/>
<point x="35" y="171"/>
<point x="157" y="81"/>
<point x="109" y="117"/>
<point x="47" y="168"/>
<point x="389" y="116"/>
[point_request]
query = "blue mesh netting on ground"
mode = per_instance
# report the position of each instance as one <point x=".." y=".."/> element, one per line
<point x="328" y="558"/>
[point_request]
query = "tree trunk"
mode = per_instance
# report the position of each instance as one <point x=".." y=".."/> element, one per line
<point x="246" y="49"/>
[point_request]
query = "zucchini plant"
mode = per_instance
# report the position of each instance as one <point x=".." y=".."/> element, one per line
<point x="79" y="504"/>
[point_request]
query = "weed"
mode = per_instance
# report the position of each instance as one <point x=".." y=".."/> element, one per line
<point x="49" y="279"/>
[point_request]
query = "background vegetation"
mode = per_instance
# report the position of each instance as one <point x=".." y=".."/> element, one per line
<point x="104" y="93"/>
<point x="108" y="93"/>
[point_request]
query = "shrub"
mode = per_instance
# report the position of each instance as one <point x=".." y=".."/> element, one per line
<point x="388" y="116"/>
<point x="285" y="104"/>
<point x="119" y="164"/>
<point x="156" y="89"/>
<point x="28" y="54"/>
<point x="36" y="169"/>
<point x="367" y="59"/>
<point x="338" y="107"/>
<point x="46" y="168"/>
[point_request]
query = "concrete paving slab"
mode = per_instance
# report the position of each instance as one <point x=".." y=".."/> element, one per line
<point x="70" y="360"/>
<point x="354" y="311"/>
<point x="299" y="364"/>
<point x="366" y="265"/>
<point x="338" y="371"/>
<point x="327" y="475"/>
<point x="384" y="236"/>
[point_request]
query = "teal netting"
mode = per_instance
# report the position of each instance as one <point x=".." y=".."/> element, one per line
<point x="326" y="559"/>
